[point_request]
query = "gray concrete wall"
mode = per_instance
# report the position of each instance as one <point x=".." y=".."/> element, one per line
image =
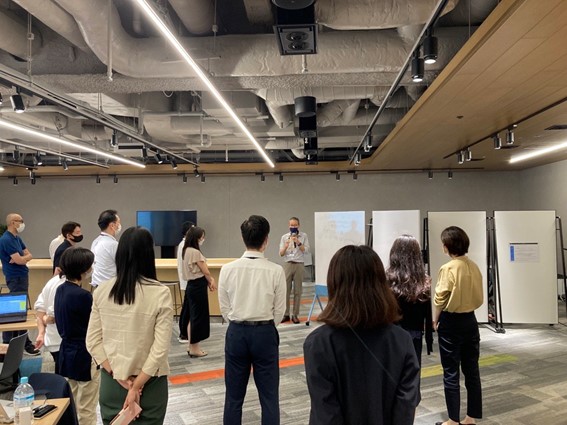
<point x="224" y="202"/>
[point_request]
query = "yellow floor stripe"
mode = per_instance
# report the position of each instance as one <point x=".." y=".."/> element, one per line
<point x="437" y="370"/>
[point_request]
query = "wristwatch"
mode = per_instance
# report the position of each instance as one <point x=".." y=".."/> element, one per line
<point x="299" y="244"/>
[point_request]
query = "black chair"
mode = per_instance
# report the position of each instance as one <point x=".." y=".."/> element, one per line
<point x="10" y="371"/>
<point x="51" y="385"/>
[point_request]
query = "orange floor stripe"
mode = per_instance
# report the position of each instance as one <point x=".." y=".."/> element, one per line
<point x="208" y="375"/>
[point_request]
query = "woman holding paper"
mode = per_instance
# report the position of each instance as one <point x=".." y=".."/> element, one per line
<point x="129" y="333"/>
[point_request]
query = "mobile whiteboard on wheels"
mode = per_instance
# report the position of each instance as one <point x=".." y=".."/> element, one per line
<point x="333" y="230"/>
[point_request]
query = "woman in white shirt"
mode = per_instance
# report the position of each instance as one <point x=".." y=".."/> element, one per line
<point x="199" y="278"/>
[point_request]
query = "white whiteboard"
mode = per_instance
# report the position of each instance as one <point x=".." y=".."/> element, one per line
<point x="387" y="226"/>
<point x="526" y="249"/>
<point x="333" y="230"/>
<point x="474" y="224"/>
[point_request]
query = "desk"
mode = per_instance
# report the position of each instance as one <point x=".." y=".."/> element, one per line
<point x="30" y="323"/>
<point x="53" y="417"/>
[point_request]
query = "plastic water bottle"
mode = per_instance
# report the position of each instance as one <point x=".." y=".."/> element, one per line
<point x="23" y="401"/>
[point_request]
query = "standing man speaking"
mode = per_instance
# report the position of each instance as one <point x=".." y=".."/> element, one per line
<point x="293" y="246"/>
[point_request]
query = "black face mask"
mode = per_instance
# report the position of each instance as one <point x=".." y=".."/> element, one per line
<point x="77" y="238"/>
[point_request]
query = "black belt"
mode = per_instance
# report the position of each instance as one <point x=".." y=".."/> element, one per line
<point x="295" y="262"/>
<point x="252" y="322"/>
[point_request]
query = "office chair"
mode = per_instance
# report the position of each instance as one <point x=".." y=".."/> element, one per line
<point x="52" y="385"/>
<point x="11" y="364"/>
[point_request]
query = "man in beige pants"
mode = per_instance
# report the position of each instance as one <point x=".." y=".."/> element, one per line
<point x="293" y="246"/>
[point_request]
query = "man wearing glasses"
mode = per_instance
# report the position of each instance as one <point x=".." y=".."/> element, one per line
<point x="15" y="256"/>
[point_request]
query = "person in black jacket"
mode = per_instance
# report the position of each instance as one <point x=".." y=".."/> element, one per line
<point x="412" y="288"/>
<point x="360" y="368"/>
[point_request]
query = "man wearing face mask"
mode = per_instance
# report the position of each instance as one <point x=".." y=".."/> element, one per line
<point x="15" y="256"/>
<point x="293" y="246"/>
<point x="72" y="235"/>
<point x="104" y="247"/>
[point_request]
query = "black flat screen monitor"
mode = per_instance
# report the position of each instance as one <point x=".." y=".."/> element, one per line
<point x="165" y="226"/>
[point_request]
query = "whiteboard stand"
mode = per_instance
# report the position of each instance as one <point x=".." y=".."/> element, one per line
<point x="561" y="248"/>
<point x="495" y="324"/>
<point x="320" y="291"/>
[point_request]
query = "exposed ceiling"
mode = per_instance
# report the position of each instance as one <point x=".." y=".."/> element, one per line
<point x="500" y="64"/>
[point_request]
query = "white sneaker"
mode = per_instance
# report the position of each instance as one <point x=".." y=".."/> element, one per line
<point x="182" y="340"/>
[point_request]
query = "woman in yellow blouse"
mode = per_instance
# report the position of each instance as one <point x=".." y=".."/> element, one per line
<point x="198" y="277"/>
<point x="457" y="294"/>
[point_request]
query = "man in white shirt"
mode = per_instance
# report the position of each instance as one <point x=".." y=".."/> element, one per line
<point x="184" y="315"/>
<point x="104" y="247"/>
<point x="252" y="298"/>
<point x="54" y="244"/>
<point x="293" y="246"/>
<point x="45" y="317"/>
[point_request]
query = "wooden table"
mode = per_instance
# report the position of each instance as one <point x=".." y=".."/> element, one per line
<point x="52" y="417"/>
<point x="30" y="323"/>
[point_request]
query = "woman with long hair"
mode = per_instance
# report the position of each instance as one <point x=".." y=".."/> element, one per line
<point x="360" y="367"/>
<point x="458" y="294"/>
<point x="412" y="288"/>
<point x="130" y="332"/>
<point x="198" y="276"/>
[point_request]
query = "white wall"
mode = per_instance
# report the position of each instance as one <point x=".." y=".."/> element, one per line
<point x="224" y="202"/>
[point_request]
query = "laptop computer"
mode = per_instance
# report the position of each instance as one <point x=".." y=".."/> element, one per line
<point x="7" y="411"/>
<point x="13" y="307"/>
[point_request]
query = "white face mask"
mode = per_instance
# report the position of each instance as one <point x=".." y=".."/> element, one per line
<point x="201" y="242"/>
<point x="118" y="229"/>
<point x="88" y="274"/>
<point x="21" y="227"/>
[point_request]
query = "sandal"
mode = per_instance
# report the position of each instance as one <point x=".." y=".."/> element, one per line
<point x="200" y="354"/>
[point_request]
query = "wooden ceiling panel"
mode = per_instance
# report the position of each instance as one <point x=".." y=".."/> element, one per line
<point x="513" y="66"/>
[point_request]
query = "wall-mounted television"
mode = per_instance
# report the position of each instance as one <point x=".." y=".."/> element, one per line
<point x="165" y="226"/>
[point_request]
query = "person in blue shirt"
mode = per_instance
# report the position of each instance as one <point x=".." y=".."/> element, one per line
<point x="15" y="256"/>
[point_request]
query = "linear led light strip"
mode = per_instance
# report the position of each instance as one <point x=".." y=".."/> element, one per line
<point x="52" y="152"/>
<point x="537" y="153"/>
<point x="65" y="142"/>
<point x="162" y="27"/>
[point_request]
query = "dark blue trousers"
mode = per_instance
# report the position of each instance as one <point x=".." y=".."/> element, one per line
<point x="16" y="284"/>
<point x="459" y="346"/>
<point x="256" y="347"/>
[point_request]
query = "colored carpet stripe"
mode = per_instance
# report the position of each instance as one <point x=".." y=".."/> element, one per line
<point x="426" y="372"/>
<point x="187" y="378"/>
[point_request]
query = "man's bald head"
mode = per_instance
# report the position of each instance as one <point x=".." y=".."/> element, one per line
<point x="11" y="217"/>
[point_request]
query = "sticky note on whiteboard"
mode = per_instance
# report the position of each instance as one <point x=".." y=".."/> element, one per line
<point x="524" y="252"/>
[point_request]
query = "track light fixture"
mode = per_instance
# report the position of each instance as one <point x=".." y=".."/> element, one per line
<point x="33" y="180"/>
<point x="173" y="163"/>
<point x="114" y="139"/>
<point x="337" y="176"/>
<point x="430" y="48"/>
<point x="16" y="155"/>
<point x="65" y="166"/>
<point x="38" y="159"/>
<point x="184" y="178"/>
<point x="280" y="178"/>
<point x="1" y="99"/>
<point x="196" y="172"/>
<point x="15" y="181"/>
<point x="115" y="178"/>
<point x="450" y="174"/>
<point x="354" y="176"/>
<point x="357" y="159"/>
<point x="430" y="175"/>
<point x="158" y="158"/>
<point x="32" y="174"/>
<point x="202" y="178"/>
<point x="262" y="177"/>
<point x="510" y="135"/>
<point x="97" y="180"/>
<point x="417" y="68"/>
<point x="468" y="155"/>
<point x="460" y="157"/>
<point x="367" y="144"/>
<point x="144" y="153"/>
<point x="497" y="141"/>
<point x="18" y="103"/>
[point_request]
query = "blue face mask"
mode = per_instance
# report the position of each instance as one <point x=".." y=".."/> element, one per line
<point x="293" y="230"/>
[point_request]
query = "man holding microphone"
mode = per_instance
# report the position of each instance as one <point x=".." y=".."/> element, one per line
<point x="293" y="246"/>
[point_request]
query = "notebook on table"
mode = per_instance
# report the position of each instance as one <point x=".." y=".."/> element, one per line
<point x="13" y="307"/>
